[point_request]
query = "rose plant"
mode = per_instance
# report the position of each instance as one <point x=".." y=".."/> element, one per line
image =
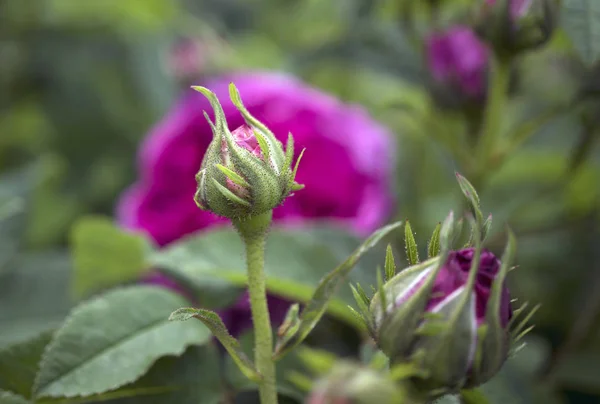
<point x="252" y="149"/>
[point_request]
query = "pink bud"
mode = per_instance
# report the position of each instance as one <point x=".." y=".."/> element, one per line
<point x="244" y="137"/>
<point x="457" y="58"/>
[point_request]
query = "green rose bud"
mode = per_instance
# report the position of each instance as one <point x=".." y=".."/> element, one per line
<point x="245" y="172"/>
<point x="449" y="318"/>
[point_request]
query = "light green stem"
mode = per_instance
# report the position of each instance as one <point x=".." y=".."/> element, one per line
<point x="492" y="123"/>
<point x="254" y="233"/>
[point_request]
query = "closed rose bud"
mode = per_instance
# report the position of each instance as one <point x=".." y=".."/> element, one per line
<point x="514" y="26"/>
<point x="349" y="383"/>
<point x="458" y="62"/>
<point x="245" y="172"/>
<point x="448" y="319"/>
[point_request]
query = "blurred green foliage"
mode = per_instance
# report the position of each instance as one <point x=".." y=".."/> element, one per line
<point x="81" y="82"/>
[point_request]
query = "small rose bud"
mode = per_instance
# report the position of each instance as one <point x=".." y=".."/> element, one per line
<point x="443" y="317"/>
<point x="245" y="172"/>
<point x="514" y="26"/>
<point x="348" y="383"/>
<point x="458" y="62"/>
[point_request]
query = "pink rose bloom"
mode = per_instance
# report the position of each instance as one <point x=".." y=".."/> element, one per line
<point x="347" y="167"/>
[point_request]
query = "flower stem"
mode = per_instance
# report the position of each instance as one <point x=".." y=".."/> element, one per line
<point x="253" y="231"/>
<point x="492" y="121"/>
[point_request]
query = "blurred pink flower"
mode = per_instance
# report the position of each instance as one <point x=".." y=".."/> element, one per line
<point x="347" y="167"/>
<point x="457" y="58"/>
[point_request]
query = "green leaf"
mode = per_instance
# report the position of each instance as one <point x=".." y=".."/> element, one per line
<point x="192" y="378"/>
<point x="433" y="249"/>
<point x="295" y="261"/>
<point x="19" y="364"/>
<point x="6" y="397"/>
<point x="112" y="340"/>
<point x="581" y="20"/>
<point x="412" y="251"/>
<point x="317" y="306"/>
<point x="33" y="295"/>
<point x="104" y="255"/>
<point x="219" y="330"/>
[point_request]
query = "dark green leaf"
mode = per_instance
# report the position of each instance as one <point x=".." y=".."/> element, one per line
<point x="193" y="378"/>
<point x="112" y="340"/>
<point x="316" y="307"/>
<point x="6" y="397"/>
<point x="104" y="255"/>
<point x="19" y="364"/>
<point x="219" y="330"/>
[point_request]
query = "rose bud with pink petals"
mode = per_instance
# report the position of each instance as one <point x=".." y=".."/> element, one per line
<point x="458" y="64"/>
<point x="246" y="172"/>
<point x="436" y="315"/>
